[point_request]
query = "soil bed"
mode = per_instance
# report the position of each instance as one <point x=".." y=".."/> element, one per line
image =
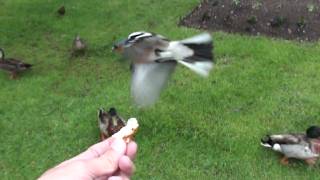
<point x="288" y="19"/>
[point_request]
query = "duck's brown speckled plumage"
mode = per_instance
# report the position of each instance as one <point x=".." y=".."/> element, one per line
<point x="109" y="122"/>
<point x="79" y="47"/>
<point x="61" y="11"/>
<point x="11" y="65"/>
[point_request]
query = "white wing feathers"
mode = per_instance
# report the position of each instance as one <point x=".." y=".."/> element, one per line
<point x="201" y="67"/>
<point x="148" y="80"/>
<point x="198" y="39"/>
<point x="179" y="51"/>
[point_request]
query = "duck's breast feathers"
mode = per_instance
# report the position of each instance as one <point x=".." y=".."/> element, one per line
<point x="118" y="121"/>
<point x="299" y="151"/>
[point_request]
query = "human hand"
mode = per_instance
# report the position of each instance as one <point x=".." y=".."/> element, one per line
<point x="110" y="159"/>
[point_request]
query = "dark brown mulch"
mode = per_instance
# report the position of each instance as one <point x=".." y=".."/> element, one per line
<point x="288" y="19"/>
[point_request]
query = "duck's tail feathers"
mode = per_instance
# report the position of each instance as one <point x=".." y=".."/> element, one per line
<point x="201" y="45"/>
<point x="202" y="68"/>
<point x="201" y="60"/>
<point x="28" y="65"/>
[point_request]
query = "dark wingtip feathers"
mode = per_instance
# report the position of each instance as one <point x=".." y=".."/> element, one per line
<point x="28" y="65"/>
<point x="201" y="51"/>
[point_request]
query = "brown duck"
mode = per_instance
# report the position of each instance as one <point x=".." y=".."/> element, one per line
<point x="78" y="47"/>
<point x="109" y="123"/>
<point x="61" y="11"/>
<point x="11" y="65"/>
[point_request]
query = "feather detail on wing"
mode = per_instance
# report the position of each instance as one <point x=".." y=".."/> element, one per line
<point x="194" y="53"/>
<point x="148" y="80"/>
<point x="287" y="138"/>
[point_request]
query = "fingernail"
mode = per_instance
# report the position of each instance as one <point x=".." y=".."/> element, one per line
<point x="119" y="145"/>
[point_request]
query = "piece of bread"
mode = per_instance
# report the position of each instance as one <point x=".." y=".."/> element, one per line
<point x="128" y="131"/>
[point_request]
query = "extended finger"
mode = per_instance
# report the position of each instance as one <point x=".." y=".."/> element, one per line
<point x="132" y="148"/>
<point x="126" y="165"/>
<point x="96" y="150"/>
<point x="108" y="163"/>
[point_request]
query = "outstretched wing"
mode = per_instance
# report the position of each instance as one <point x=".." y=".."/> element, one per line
<point x="148" y="80"/>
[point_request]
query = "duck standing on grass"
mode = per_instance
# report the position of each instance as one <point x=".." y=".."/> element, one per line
<point x="109" y="123"/>
<point x="11" y="65"/>
<point x="154" y="59"/>
<point x="61" y="11"/>
<point x="79" y="47"/>
<point x="304" y="146"/>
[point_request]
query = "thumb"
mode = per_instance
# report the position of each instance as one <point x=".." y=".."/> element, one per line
<point x="108" y="163"/>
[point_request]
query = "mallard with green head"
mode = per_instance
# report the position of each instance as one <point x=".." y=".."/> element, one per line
<point x="11" y="65"/>
<point x="109" y="123"/>
<point x="304" y="146"/>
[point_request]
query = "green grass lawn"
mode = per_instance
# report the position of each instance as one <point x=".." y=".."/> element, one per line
<point x="200" y="129"/>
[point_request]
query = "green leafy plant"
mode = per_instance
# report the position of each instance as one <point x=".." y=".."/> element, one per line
<point x="214" y="3"/>
<point x="311" y="7"/>
<point x="302" y="23"/>
<point x="257" y="5"/>
<point x="252" y="20"/>
<point x="278" y="21"/>
<point x="236" y="3"/>
<point x="205" y="16"/>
